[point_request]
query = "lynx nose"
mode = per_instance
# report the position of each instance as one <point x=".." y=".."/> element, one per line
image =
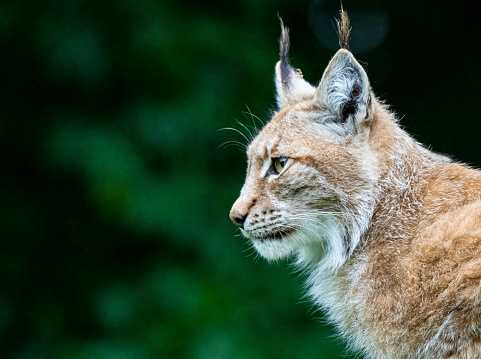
<point x="238" y="219"/>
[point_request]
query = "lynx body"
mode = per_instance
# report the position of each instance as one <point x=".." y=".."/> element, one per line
<point x="388" y="232"/>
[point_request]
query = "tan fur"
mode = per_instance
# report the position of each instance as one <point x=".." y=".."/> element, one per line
<point x="409" y="286"/>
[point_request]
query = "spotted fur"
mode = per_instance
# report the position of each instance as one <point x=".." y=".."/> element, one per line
<point x="388" y="232"/>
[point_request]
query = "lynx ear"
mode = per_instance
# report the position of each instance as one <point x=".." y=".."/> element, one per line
<point x="344" y="89"/>
<point x="291" y="87"/>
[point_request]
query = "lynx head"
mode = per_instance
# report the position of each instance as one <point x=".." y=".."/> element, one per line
<point x="311" y="175"/>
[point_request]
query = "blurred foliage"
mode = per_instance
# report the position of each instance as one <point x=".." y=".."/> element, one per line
<point x="115" y="194"/>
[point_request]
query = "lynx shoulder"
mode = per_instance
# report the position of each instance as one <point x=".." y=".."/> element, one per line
<point x="389" y="232"/>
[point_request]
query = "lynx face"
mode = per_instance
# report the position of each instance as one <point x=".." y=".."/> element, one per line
<point x="310" y="179"/>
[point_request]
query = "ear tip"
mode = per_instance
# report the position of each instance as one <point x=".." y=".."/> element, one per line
<point x="345" y="57"/>
<point x="343" y="53"/>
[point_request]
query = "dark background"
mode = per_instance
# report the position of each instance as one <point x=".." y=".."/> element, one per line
<point x="114" y="193"/>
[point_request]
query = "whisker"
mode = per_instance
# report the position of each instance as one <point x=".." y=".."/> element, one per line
<point x="247" y="130"/>
<point x="253" y="122"/>
<point x="249" y="112"/>
<point x="235" y="130"/>
<point x="234" y="143"/>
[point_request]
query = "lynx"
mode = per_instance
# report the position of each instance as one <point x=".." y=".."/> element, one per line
<point x="388" y="232"/>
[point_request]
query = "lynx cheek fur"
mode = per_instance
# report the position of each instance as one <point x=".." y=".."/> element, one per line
<point x="388" y="232"/>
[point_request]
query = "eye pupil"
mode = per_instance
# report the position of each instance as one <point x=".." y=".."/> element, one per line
<point x="279" y="164"/>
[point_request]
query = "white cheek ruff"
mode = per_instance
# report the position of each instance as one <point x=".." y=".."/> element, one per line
<point x="274" y="249"/>
<point x="319" y="241"/>
<point x="273" y="240"/>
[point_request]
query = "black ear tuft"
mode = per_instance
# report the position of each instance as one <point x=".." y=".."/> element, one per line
<point x="344" y="30"/>
<point x="284" y="44"/>
<point x="290" y="84"/>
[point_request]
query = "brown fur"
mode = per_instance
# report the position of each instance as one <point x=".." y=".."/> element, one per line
<point x="389" y="232"/>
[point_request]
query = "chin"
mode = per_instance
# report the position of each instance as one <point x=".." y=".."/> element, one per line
<point x="273" y="249"/>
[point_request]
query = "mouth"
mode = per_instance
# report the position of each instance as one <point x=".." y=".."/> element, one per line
<point x="273" y="236"/>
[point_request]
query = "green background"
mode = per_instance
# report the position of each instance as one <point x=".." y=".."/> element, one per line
<point x="115" y="187"/>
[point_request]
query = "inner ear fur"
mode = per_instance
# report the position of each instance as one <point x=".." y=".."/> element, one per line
<point x="344" y="89"/>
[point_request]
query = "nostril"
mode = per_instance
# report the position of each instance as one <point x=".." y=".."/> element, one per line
<point x="238" y="219"/>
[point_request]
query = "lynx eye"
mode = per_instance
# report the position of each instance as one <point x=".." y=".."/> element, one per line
<point x="279" y="164"/>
